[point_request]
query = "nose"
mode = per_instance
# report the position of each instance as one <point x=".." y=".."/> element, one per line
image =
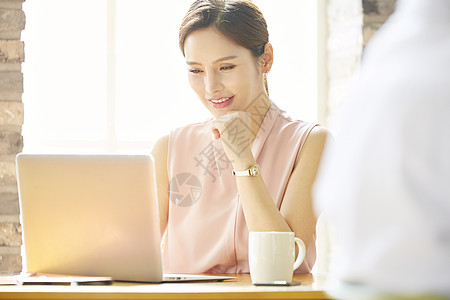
<point x="213" y="84"/>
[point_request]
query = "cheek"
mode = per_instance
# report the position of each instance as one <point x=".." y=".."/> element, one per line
<point x="234" y="81"/>
<point x="195" y="83"/>
<point x="246" y="80"/>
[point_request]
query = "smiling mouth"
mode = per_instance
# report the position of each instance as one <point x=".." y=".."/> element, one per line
<point x="220" y="100"/>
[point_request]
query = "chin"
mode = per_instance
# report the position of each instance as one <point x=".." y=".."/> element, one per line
<point x="218" y="114"/>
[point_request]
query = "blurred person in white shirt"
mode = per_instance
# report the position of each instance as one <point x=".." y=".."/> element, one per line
<point x="385" y="183"/>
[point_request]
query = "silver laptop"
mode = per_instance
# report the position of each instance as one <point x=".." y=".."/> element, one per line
<point x="92" y="215"/>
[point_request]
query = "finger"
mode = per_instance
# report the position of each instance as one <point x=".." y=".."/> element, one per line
<point x="218" y="126"/>
<point x="216" y="133"/>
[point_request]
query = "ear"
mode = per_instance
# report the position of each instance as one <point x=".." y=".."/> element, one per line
<point x="267" y="58"/>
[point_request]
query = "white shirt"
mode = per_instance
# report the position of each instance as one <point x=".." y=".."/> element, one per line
<point x="385" y="184"/>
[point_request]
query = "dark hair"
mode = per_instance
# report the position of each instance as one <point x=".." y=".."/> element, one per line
<point x="239" y="20"/>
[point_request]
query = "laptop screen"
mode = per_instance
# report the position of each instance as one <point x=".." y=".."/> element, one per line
<point x="90" y="215"/>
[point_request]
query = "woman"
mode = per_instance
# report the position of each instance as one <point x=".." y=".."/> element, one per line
<point x="251" y="167"/>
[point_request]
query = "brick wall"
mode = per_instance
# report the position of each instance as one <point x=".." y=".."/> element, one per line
<point x="12" y="22"/>
<point x="351" y="24"/>
<point x="375" y="13"/>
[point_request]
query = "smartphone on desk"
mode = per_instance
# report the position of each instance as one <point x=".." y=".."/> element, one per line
<point x="277" y="283"/>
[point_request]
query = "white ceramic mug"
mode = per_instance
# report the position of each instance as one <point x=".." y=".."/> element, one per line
<point x="271" y="255"/>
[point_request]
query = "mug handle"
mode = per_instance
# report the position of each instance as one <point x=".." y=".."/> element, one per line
<point x="301" y="253"/>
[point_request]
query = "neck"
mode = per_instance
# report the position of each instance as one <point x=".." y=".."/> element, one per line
<point x="258" y="110"/>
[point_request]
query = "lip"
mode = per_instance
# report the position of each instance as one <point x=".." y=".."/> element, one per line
<point x="223" y="104"/>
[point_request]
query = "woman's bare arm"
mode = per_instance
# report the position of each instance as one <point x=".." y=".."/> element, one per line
<point x="159" y="153"/>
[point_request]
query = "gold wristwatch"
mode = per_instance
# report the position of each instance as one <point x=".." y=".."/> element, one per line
<point x="252" y="171"/>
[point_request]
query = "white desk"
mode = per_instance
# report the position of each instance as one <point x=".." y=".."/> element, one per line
<point x="239" y="288"/>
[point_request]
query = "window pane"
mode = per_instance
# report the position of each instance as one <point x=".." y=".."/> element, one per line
<point x="153" y="93"/>
<point x="64" y="72"/>
<point x="292" y="26"/>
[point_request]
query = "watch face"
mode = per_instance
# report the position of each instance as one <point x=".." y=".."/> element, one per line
<point x="255" y="170"/>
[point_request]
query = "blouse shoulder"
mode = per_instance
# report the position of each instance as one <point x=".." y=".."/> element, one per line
<point x="192" y="129"/>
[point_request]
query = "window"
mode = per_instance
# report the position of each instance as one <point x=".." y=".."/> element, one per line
<point x="109" y="76"/>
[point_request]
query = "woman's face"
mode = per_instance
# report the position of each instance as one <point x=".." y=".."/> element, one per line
<point x="225" y="76"/>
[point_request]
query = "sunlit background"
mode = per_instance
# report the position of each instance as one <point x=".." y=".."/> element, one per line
<point x="108" y="76"/>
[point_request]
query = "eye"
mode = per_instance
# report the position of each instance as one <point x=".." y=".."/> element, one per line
<point x="195" y="71"/>
<point x="227" y="68"/>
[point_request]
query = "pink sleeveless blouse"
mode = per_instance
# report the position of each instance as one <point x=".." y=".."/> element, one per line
<point x="206" y="230"/>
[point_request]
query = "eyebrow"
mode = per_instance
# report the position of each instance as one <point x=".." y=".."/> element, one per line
<point x="216" y="61"/>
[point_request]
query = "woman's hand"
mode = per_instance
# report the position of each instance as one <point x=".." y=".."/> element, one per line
<point x="234" y="130"/>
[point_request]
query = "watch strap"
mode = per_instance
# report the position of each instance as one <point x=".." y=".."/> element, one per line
<point x="251" y="171"/>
